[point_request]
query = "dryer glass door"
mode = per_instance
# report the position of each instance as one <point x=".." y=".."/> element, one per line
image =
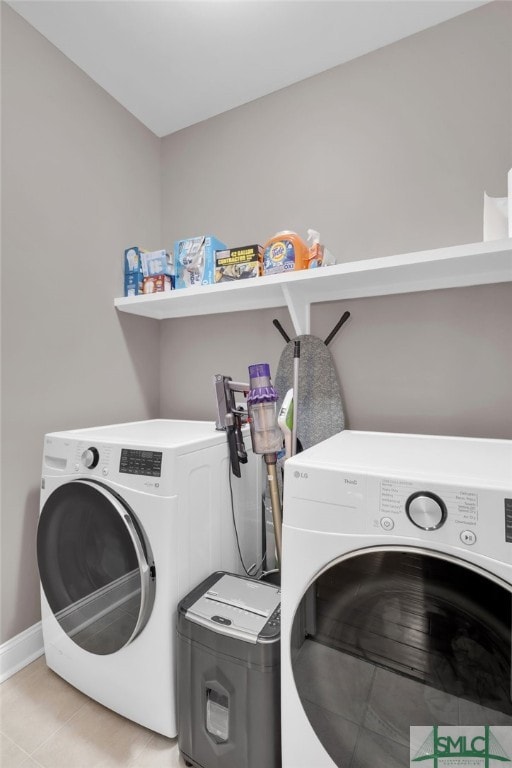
<point x="388" y="639"/>
<point x="95" y="566"/>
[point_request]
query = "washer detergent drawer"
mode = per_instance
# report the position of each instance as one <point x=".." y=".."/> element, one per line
<point x="389" y="638"/>
<point x="95" y="565"/>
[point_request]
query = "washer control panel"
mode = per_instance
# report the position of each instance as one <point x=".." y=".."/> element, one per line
<point x="135" y="462"/>
<point x="136" y="467"/>
<point x="90" y="457"/>
<point x="145" y="469"/>
<point x="95" y="459"/>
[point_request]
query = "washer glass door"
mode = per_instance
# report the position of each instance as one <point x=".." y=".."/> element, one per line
<point x="95" y="565"/>
<point x="386" y="639"/>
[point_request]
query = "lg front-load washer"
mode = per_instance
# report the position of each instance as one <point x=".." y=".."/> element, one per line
<point x="133" y="516"/>
<point x="396" y="599"/>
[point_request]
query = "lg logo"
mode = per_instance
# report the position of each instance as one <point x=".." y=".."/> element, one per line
<point x="301" y="475"/>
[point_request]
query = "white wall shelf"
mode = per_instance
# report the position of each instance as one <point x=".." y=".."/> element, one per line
<point x="452" y="267"/>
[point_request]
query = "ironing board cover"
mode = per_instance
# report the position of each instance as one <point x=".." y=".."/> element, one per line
<point x="320" y="409"/>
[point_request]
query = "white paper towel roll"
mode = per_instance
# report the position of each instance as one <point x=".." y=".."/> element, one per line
<point x="496" y="217"/>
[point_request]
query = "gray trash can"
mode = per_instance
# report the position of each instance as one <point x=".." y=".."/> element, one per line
<point x="229" y="674"/>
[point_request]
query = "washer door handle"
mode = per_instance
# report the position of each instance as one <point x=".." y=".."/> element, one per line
<point x="143" y="565"/>
<point x="141" y="557"/>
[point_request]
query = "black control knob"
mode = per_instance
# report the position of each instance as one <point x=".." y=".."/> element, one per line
<point x="90" y="458"/>
<point x="426" y="510"/>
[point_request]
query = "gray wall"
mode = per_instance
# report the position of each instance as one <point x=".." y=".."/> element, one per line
<point x="81" y="181"/>
<point x="389" y="153"/>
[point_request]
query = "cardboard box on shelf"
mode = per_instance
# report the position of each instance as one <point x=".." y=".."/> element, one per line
<point x="133" y="270"/>
<point x="132" y="260"/>
<point x="157" y="284"/>
<point x="156" y="263"/>
<point x="194" y="260"/>
<point x="133" y="283"/>
<point x="238" y="263"/>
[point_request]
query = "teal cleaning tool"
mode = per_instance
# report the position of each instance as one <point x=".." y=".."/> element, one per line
<point x="285" y="421"/>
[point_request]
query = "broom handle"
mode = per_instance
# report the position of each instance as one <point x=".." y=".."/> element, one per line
<point x="296" y="359"/>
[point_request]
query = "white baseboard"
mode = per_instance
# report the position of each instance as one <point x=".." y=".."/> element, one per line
<point x="20" y="651"/>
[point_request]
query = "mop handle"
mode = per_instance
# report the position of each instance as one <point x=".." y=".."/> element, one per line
<point x="296" y="359"/>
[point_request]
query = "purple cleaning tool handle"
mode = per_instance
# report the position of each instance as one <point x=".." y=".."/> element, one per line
<point x="258" y="370"/>
<point x="261" y="389"/>
<point x="262" y="395"/>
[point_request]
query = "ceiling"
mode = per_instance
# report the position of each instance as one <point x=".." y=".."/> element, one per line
<point x="173" y="63"/>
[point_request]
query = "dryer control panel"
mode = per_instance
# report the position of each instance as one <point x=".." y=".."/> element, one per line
<point x="426" y="510"/>
<point x="411" y="488"/>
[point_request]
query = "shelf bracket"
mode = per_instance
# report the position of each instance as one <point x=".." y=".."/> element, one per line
<point x="300" y="311"/>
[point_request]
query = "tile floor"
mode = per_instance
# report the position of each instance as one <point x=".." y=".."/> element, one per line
<point x="46" y="723"/>
<point x="347" y="700"/>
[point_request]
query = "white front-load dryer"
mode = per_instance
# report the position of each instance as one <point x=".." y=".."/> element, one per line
<point x="396" y="600"/>
<point x="133" y="516"/>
